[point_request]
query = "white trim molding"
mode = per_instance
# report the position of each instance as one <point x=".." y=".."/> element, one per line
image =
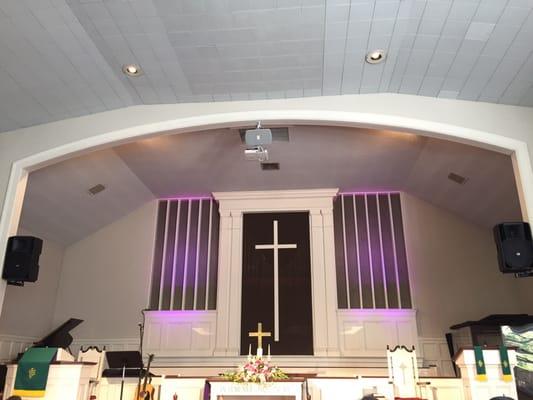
<point x="319" y="204"/>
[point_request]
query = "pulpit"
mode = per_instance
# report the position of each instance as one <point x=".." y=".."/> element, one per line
<point x="67" y="380"/>
<point x="493" y="383"/>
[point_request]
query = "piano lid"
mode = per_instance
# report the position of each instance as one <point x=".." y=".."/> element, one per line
<point x="59" y="337"/>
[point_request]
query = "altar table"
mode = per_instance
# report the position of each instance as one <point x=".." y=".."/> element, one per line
<point x="290" y="388"/>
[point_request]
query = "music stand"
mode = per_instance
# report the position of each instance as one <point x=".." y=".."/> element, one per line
<point x="122" y="360"/>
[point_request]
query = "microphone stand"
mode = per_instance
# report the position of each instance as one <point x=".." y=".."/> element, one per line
<point x="141" y="339"/>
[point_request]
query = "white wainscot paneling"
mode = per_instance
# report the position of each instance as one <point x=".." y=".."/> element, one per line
<point x="434" y="351"/>
<point x="180" y="333"/>
<point x="367" y="333"/>
<point x="11" y="345"/>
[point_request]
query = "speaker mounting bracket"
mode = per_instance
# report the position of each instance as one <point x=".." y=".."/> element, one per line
<point x="524" y="274"/>
<point x="15" y="283"/>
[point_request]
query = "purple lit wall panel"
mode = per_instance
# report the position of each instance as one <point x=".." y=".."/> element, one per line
<point x="158" y="252"/>
<point x="376" y="261"/>
<point x="370" y="251"/>
<point x="388" y="251"/>
<point x="181" y="244"/>
<point x="201" y="278"/>
<point x="190" y="264"/>
<point x="168" y="263"/>
<point x="185" y="256"/>
<point x="367" y="281"/>
<point x="212" y="273"/>
<point x="351" y="252"/>
<point x="339" y="254"/>
<point x="401" y="255"/>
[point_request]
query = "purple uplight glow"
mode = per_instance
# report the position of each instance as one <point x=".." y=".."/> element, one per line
<point x="388" y="312"/>
<point x="366" y="192"/>
<point x="188" y="197"/>
<point x="187" y="315"/>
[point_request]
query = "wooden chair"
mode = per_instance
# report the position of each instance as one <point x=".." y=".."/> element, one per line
<point x="403" y="372"/>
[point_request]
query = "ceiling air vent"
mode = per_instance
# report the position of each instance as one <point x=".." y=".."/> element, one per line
<point x="461" y="180"/>
<point x="278" y="134"/>
<point x="96" y="189"/>
<point x="269" y="166"/>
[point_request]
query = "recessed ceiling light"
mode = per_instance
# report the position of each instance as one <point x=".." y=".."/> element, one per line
<point x="375" y="56"/>
<point x="132" y="69"/>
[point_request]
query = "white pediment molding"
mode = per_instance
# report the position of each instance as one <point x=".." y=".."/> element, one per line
<point x="274" y="200"/>
<point x="319" y="204"/>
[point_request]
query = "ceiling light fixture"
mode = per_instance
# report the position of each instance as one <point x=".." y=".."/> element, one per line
<point x="132" y="69"/>
<point x="375" y="56"/>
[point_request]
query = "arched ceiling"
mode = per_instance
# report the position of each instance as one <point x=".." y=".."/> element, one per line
<point x="64" y="58"/>
<point x="58" y="206"/>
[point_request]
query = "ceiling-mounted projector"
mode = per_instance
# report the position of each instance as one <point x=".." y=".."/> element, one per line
<point x="256" y="153"/>
<point x="258" y="136"/>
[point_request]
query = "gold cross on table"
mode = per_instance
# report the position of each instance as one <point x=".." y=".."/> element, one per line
<point x="259" y="335"/>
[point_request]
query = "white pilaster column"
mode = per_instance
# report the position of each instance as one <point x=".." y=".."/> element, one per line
<point x="331" y="282"/>
<point x="234" y="342"/>
<point x="223" y="286"/>
<point x="318" y="284"/>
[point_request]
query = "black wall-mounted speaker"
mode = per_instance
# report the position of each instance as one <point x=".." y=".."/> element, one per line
<point x="515" y="247"/>
<point x="22" y="259"/>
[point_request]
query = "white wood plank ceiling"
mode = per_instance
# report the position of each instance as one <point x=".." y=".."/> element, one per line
<point x="60" y="59"/>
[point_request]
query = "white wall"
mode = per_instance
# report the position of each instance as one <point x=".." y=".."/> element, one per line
<point x="28" y="310"/>
<point x="454" y="270"/>
<point x="106" y="277"/>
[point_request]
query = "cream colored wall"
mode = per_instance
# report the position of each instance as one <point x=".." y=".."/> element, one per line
<point x="106" y="277"/>
<point x="454" y="270"/>
<point x="28" y="310"/>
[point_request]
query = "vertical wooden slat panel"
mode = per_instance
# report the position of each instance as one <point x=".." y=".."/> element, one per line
<point x="197" y="255"/>
<point x="176" y="241"/>
<point x="158" y="255"/>
<point x="364" y="254"/>
<point x="351" y="253"/>
<point x="190" y="264"/>
<point x="180" y="256"/>
<point x="201" y="278"/>
<point x="213" y="264"/>
<point x="384" y="274"/>
<point x="371" y="260"/>
<point x="377" y="265"/>
<point x="401" y="255"/>
<point x="358" y="251"/>
<point x="162" y="283"/>
<point x="388" y="251"/>
<point x="169" y="256"/>
<point x="208" y="261"/>
<point x="342" y="298"/>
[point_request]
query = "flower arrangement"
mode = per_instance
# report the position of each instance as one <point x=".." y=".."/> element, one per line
<point x="255" y="370"/>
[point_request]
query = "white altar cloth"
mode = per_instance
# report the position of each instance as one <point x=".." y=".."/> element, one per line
<point x="292" y="387"/>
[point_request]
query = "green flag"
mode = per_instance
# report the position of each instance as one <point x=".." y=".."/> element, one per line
<point x="506" y="365"/>
<point x="481" y="371"/>
<point x="32" y="371"/>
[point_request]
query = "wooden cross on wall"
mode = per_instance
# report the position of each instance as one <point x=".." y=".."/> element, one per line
<point x="276" y="246"/>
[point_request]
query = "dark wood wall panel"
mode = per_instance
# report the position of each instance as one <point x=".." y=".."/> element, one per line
<point x="185" y="257"/>
<point x="372" y="269"/>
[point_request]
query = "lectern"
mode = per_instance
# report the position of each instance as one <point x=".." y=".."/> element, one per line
<point x="494" y="385"/>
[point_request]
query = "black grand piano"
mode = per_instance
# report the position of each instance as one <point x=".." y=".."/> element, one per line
<point x="60" y="337"/>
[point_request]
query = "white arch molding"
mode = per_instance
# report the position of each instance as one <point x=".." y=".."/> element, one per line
<point x="19" y="172"/>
